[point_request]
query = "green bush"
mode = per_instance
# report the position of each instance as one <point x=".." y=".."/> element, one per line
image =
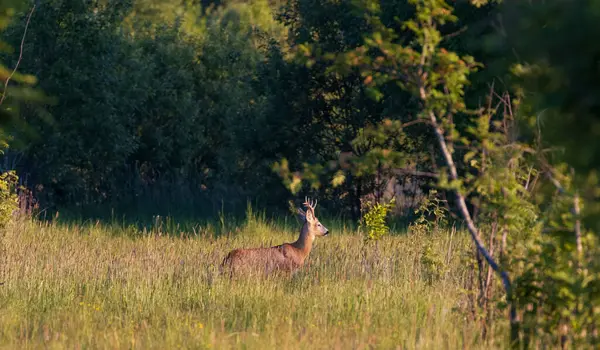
<point x="374" y="219"/>
<point x="8" y="196"/>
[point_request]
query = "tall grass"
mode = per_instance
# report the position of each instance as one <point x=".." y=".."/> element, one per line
<point x="92" y="285"/>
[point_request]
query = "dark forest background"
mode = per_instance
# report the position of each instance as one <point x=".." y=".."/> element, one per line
<point x="183" y="107"/>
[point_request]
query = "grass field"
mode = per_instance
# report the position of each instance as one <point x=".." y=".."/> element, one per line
<point x="109" y="286"/>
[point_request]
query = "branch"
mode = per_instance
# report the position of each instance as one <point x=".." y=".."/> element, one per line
<point x="555" y="182"/>
<point x="576" y="212"/>
<point x="556" y="229"/>
<point x="456" y="33"/>
<point x="462" y="205"/>
<point x="20" y="56"/>
<point x="416" y="173"/>
<point x="416" y="121"/>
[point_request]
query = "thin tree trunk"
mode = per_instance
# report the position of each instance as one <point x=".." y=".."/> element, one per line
<point x="576" y="212"/>
<point x="474" y="232"/>
<point x="9" y="77"/>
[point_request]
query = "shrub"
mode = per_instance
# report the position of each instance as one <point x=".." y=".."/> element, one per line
<point x="8" y="196"/>
<point x="374" y="220"/>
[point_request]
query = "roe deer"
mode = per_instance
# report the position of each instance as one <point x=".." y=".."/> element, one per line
<point x="286" y="257"/>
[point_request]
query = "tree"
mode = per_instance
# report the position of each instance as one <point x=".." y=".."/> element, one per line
<point x="176" y="111"/>
<point x="481" y="164"/>
<point x="336" y="110"/>
<point x="556" y="89"/>
<point x="17" y="87"/>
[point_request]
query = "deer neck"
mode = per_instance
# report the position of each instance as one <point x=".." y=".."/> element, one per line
<point x="304" y="242"/>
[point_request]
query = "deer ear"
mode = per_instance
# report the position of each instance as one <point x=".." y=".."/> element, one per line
<point x="310" y="215"/>
<point x="302" y="215"/>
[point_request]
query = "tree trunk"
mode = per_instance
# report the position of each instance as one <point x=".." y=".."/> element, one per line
<point x="473" y="230"/>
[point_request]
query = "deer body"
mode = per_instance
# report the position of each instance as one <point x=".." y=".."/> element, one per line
<point x="286" y="257"/>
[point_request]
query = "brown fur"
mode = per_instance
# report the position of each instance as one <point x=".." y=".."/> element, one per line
<point x="287" y="257"/>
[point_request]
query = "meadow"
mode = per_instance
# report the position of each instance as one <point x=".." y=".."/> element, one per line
<point x="96" y="286"/>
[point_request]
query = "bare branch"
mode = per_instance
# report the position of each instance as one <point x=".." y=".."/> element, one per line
<point x="555" y="182"/>
<point x="456" y="33"/>
<point x="20" y="56"/>
<point x="528" y="178"/>
<point x="416" y="173"/>
<point x="576" y="212"/>
<point x="416" y="121"/>
<point x="462" y="205"/>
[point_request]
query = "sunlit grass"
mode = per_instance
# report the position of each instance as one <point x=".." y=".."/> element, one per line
<point x="91" y="286"/>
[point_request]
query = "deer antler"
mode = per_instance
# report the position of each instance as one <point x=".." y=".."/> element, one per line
<point x="310" y="204"/>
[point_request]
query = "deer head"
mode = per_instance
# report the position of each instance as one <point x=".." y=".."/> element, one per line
<point x="311" y="224"/>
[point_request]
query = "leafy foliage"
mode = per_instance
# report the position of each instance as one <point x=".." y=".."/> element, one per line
<point x="17" y="88"/>
<point x="374" y="219"/>
<point x="553" y="86"/>
<point x="432" y="215"/>
<point x="8" y="196"/>
<point x="434" y="265"/>
<point x="169" y="105"/>
<point x="497" y="174"/>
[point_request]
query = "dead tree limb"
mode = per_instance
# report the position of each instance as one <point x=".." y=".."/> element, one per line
<point x="472" y="228"/>
<point x="4" y="92"/>
<point x="576" y="213"/>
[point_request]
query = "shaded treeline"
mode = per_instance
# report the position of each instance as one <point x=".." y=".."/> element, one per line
<point x="184" y="107"/>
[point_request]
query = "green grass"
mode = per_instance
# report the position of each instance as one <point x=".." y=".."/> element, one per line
<point x="101" y="286"/>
